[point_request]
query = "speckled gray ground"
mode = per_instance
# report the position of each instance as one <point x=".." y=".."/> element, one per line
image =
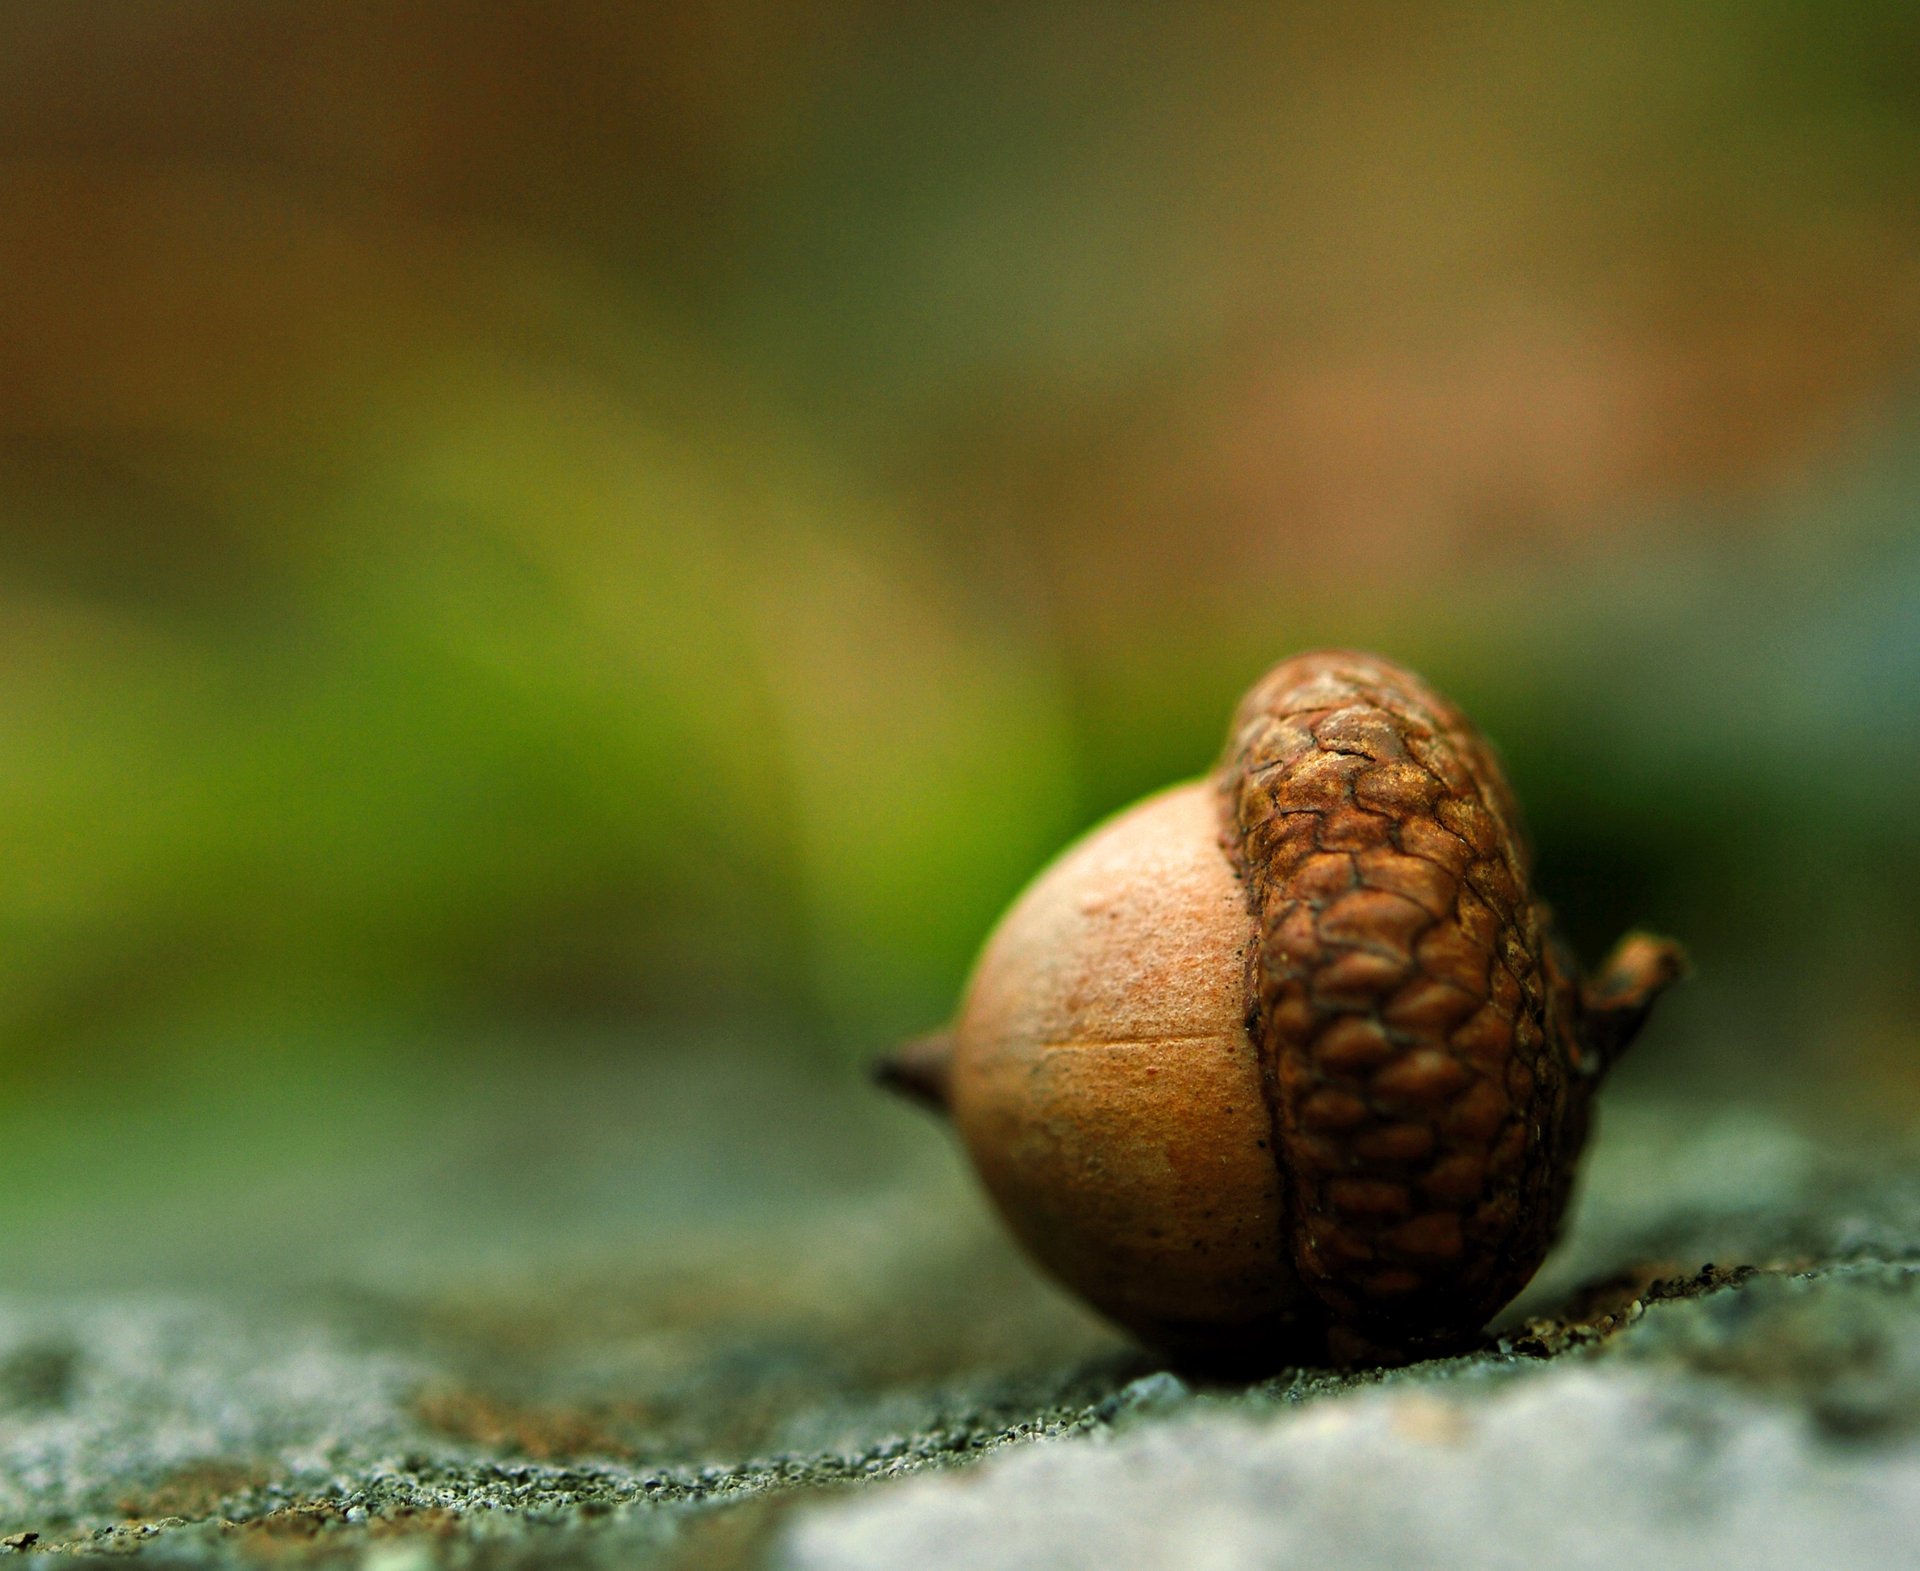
<point x="817" y="1366"/>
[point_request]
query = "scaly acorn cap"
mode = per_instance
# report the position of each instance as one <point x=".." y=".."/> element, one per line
<point x="1427" y="1051"/>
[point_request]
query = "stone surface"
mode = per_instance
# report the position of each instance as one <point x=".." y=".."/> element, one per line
<point x="1596" y="1462"/>
<point x="784" y="1369"/>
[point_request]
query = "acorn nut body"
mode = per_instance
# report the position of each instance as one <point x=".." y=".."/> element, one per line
<point x="1285" y="1064"/>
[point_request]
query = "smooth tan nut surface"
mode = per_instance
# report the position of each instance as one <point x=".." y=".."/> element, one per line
<point x="1289" y="1058"/>
<point x="1108" y="1092"/>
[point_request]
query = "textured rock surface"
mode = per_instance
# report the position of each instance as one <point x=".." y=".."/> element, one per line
<point x="811" y="1386"/>
<point x="1582" y="1467"/>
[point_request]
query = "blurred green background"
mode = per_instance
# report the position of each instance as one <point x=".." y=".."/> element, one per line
<point x="542" y="544"/>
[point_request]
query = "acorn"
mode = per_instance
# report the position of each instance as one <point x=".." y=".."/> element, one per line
<point x="1286" y="1065"/>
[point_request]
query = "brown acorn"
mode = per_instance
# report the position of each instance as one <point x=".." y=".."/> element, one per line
<point x="1287" y="1064"/>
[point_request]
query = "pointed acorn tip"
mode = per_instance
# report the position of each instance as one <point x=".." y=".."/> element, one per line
<point x="918" y="1070"/>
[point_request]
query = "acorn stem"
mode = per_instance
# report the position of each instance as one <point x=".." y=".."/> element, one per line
<point x="1615" y="1002"/>
<point x="918" y="1070"/>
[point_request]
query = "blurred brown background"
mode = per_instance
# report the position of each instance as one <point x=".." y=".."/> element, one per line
<point x="540" y="544"/>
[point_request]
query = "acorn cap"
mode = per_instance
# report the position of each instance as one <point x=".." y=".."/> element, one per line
<point x="1427" y="1056"/>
